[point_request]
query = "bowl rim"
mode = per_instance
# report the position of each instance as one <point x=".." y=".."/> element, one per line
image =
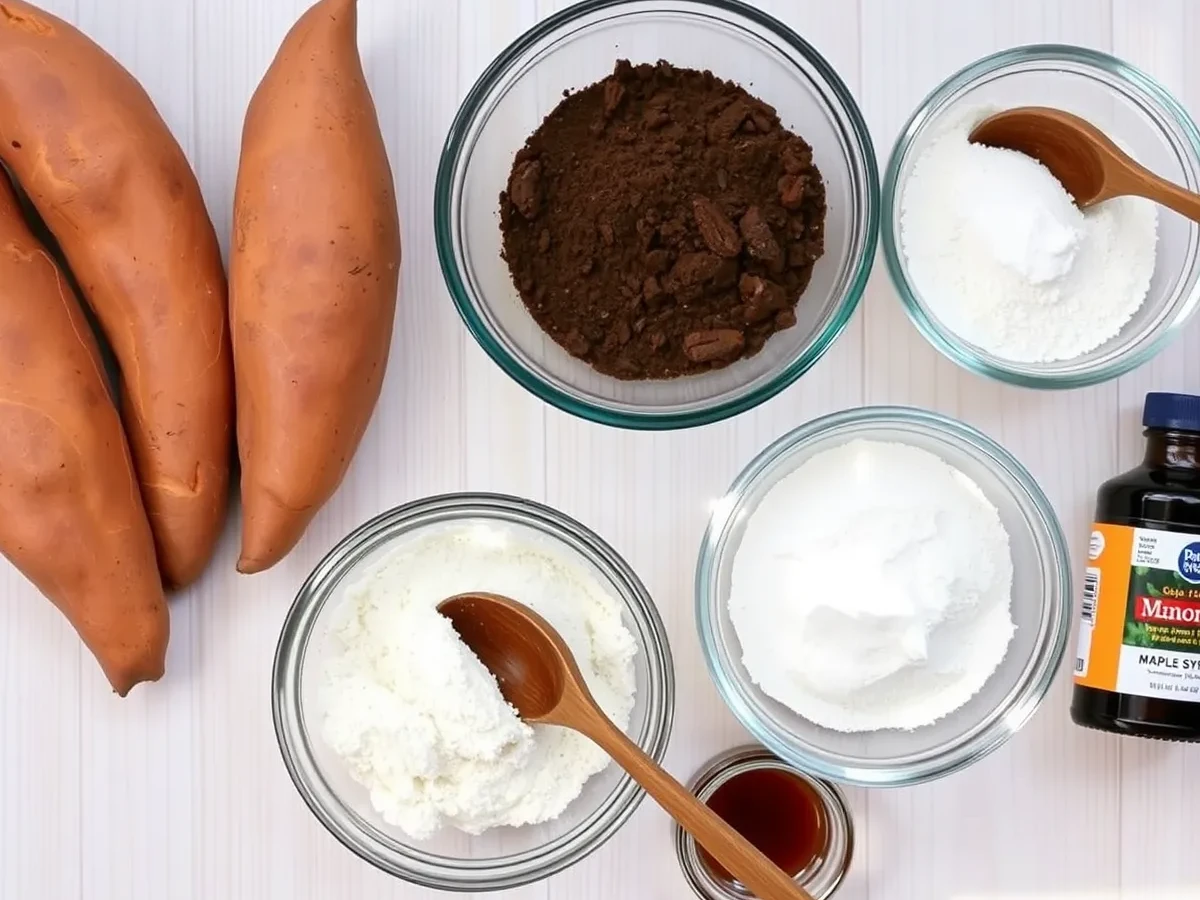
<point x="293" y="741"/>
<point x="946" y="342"/>
<point x="642" y="420"/>
<point x="1024" y="698"/>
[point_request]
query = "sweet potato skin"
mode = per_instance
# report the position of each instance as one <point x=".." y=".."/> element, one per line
<point x="86" y="143"/>
<point x="71" y="515"/>
<point x="314" y="272"/>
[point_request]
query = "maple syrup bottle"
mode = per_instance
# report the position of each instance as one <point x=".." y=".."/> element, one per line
<point x="1137" y="668"/>
<point x="800" y="823"/>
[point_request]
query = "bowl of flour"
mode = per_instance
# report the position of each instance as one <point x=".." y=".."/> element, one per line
<point x="994" y="263"/>
<point x="399" y="739"/>
<point x="883" y="596"/>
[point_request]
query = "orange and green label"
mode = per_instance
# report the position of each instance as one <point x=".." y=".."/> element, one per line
<point x="1139" y="630"/>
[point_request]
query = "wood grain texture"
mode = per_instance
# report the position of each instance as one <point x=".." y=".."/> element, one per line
<point x="178" y="792"/>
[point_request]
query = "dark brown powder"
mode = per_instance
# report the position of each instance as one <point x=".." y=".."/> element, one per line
<point x="662" y="222"/>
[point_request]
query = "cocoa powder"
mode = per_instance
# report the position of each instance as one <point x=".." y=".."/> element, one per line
<point x="662" y="222"/>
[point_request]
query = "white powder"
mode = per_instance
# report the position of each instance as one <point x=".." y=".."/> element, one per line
<point x="872" y="589"/>
<point x="1003" y="257"/>
<point x="419" y="720"/>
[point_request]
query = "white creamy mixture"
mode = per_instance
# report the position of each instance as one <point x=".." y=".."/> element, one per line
<point x="418" y="719"/>
<point x="1003" y="257"/>
<point x="872" y="588"/>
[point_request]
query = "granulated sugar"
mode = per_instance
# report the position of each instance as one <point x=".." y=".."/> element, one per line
<point x="1003" y="258"/>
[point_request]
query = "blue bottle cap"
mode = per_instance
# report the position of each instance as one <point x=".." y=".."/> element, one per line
<point x="1174" y="412"/>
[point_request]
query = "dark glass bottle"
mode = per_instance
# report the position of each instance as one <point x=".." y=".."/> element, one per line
<point x="1138" y="667"/>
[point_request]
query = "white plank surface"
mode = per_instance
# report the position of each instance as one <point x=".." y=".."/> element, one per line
<point x="178" y="792"/>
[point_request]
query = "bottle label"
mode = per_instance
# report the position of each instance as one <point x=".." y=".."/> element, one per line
<point x="1139" y="630"/>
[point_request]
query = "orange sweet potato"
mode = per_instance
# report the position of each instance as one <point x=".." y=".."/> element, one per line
<point x="86" y="143"/>
<point x="314" y="269"/>
<point x="71" y="517"/>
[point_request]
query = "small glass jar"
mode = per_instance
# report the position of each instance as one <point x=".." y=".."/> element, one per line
<point x="828" y="868"/>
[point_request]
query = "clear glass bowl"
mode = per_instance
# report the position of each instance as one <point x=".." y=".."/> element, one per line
<point x="1041" y="600"/>
<point x="1135" y="110"/>
<point x="501" y="858"/>
<point x="578" y="47"/>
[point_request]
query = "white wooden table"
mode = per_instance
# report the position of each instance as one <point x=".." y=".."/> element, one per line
<point x="178" y="792"/>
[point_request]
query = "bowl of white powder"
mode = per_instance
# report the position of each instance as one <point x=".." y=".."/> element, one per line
<point x="398" y="738"/>
<point x="883" y="596"/>
<point x="995" y="264"/>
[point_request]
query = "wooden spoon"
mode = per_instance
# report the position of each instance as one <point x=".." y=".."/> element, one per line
<point x="1090" y="166"/>
<point x="538" y="675"/>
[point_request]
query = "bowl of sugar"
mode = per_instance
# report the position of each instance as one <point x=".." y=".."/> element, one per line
<point x="883" y="596"/>
<point x="992" y="260"/>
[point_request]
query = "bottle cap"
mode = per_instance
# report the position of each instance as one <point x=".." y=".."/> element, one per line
<point x="1175" y="412"/>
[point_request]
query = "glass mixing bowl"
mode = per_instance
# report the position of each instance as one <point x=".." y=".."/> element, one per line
<point x="1136" y="111"/>
<point x="1041" y="598"/>
<point x="501" y="858"/>
<point x="578" y="47"/>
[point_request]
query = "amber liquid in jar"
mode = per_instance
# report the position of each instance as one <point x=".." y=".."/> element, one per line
<point x="775" y="811"/>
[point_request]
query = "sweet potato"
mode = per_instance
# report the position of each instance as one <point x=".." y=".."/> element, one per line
<point x="86" y="143"/>
<point x="71" y="517"/>
<point x="314" y="270"/>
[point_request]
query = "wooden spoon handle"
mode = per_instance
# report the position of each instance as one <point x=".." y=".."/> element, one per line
<point x="764" y="879"/>
<point x="1153" y="187"/>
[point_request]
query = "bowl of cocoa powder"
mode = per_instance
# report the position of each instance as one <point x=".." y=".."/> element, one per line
<point x="657" y="213"/>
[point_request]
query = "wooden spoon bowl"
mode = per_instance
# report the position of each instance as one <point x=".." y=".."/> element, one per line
<point x="1088" y="162"/>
